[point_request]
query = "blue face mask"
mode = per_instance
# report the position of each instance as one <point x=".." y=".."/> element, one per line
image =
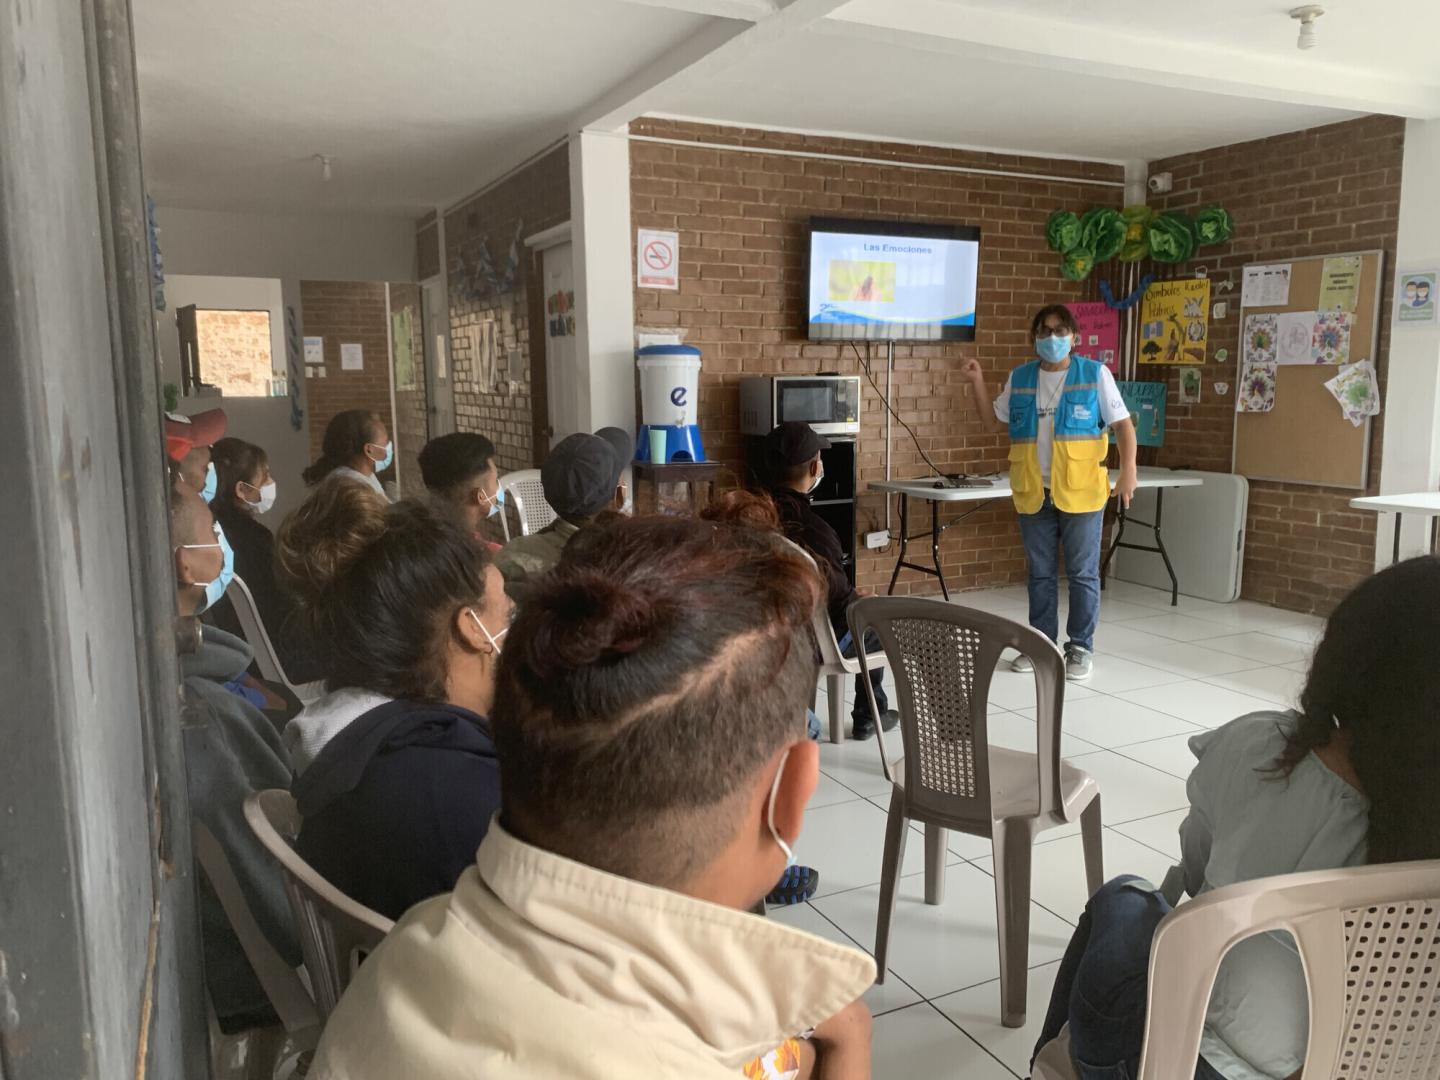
<point x="1053" y="349"/>
<point x="383" y="463"/>
<point x="215" y="588"/>
<point x="208" y="491"/>
<point x="497" y="502"/>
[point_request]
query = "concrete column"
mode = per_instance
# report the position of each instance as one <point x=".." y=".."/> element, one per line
<point x="1411" y="457"/>
<point x="604" y="277"/>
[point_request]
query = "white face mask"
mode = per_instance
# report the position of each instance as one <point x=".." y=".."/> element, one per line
<point x="819" y="479"/>
<point x="790" y="859"/>
<point x="495" y="640"/>
<point x="267" y="497"/>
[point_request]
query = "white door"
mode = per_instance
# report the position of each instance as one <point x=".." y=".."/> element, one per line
<point x="439" y="389"/>
<point x="562" y="377"/>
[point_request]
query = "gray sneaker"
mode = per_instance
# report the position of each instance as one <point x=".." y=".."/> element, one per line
<point x="1079" y="663"/>
<point x="1022" y="664"/>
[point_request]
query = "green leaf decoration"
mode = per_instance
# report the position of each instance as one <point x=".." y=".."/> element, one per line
<point x="1062" y="231"/>
<point x="1137" y="233"/>
<point x="1102" y="230"/>
<point x="1172" y="237"/>
<point x="1076" y="264"/>
<point x="1213" y="225"/>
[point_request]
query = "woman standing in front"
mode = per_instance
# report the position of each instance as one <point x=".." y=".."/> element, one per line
<point x="1058" y="409"/>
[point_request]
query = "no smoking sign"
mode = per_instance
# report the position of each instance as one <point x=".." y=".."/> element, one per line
<point x="657" y="259"/>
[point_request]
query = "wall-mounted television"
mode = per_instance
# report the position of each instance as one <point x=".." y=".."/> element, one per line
<point x="892" y="280"/>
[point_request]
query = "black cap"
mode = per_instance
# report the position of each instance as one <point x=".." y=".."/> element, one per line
<point x="794" y="443"/>
<point x="582" y="471"/>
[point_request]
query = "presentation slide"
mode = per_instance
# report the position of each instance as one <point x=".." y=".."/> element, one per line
<point x="890" y="286"/>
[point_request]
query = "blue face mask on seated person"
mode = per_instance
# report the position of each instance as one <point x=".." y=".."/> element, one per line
<point x="1053" y="349"/>
<point x="383" y="463"/>
<point x="215" y="588"/>
<point x="208" y="491"/>
<point x="496" y="501"/>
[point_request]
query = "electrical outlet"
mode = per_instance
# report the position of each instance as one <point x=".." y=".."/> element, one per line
<point x="877" y="539"/>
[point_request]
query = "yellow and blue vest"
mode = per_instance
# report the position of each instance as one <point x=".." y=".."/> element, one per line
<point x="1079" y="482"/>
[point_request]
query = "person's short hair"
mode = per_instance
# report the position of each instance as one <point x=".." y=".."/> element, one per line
<point x="379" y="585"/>
<point x="450" y="463"/>
<point x="236" y="461"/>
<point x="1066" y="317"/>
<point x="646" y="681"/>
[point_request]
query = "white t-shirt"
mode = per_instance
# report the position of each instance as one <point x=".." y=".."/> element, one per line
<point x="1047" y="394"/>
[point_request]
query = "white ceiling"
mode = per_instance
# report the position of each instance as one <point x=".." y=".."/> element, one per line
<point x="418" y="111"/>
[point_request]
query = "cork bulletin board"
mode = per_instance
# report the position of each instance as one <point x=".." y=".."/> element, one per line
<point x="1305" y="439"/>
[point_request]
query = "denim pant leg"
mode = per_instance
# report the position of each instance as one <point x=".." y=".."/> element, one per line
<point x="1040" y="533"/>
<point x="860" y="714"/>
<point x="1101" y="987"/>
<point x="1080" y="534"/>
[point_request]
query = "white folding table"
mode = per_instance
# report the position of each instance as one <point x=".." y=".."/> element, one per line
<point x="936" y="491"/>
<point x="1419" y="502"/>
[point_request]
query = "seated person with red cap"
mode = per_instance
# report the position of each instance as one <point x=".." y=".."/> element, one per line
<point x="792" y="453"/>
<point x="188" y="440"/>
<point x="581" y="478"/>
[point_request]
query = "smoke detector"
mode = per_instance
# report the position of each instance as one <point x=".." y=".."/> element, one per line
<point x="1306" y="16"/>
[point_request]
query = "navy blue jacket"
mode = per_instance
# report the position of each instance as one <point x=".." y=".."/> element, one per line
<point x="396" y="804"/>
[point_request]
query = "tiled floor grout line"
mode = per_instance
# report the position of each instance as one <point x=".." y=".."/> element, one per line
<point x="967" y="1035"/>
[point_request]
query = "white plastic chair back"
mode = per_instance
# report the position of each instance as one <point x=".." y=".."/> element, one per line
<point x="835" y="667"/>
<point x="523" y="491"/>
<point x="252" y="628"/>
<point x="1369" y="940"/>
<point x="336" y="932"/>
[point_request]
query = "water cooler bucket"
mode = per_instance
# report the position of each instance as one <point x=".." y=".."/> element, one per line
<point x="669" y="403"/>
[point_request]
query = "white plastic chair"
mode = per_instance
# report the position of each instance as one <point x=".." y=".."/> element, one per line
<point x="282" y="984"/>
<point x="835" y="666"/>
<point x="336" y="932"/>
<point x="1369" y="943"/>
<point x="524" y="492"/>
<point x="943" y="657"/>
<point x="256" y="636"/>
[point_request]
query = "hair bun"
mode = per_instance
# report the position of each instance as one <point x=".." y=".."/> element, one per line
<point x="319" y="542"/>
<point x="588" y="620"/>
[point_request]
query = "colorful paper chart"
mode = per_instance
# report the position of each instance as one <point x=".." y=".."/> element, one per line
<point x="1259" y="343"/>
<point x="1099" y="334"/>
<point x="1174" y="322"/>
<point x="1146" y="402"/>
<point x="1256" y="392"/>
<point x="1357" y="391"/>
<point x="1331" y="339"/>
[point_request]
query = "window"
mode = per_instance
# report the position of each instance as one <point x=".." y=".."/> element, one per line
<point x="234" y="351"/>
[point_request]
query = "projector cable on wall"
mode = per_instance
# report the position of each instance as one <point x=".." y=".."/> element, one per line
<point x="865" y="366"/>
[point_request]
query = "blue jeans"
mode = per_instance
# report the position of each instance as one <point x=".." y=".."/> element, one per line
<point x="1101" y="987"/>
<point x="1044" y="533"/>
<point x="860" y="714"/>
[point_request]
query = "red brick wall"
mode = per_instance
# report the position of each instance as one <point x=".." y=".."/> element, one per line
<point x="533" y="199"/>
<point x="1323" y="191"/>
<point x="742" y="219"/>
<point x="343" y="312"/>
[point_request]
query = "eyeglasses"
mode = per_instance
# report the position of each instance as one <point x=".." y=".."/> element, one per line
<point x="1052" y="331"/>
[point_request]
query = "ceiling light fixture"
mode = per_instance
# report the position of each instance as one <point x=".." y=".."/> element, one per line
<point x="1307" y="16"/>
<point x="324" y="160"/>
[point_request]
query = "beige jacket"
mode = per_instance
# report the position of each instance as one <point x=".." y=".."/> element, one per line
<point x="537" y="966"/>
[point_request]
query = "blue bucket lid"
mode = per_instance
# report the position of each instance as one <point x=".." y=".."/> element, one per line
<point x="668" y="350"/>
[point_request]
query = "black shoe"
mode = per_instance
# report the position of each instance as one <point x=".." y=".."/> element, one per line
<point x="796" y="885"/>
<point x="862" y="730"/>
<point x="889" y="719"/>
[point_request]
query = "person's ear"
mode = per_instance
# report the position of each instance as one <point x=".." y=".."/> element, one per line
<point x="185" y="574"/>
<point x="797" y="786"/>
<point x="469" y="633"/>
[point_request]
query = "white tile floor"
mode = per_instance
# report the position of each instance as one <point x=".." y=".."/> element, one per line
<point x="1162" y="674"/>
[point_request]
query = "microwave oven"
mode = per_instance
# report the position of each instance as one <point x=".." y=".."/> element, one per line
<point x="828" y="403"/>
